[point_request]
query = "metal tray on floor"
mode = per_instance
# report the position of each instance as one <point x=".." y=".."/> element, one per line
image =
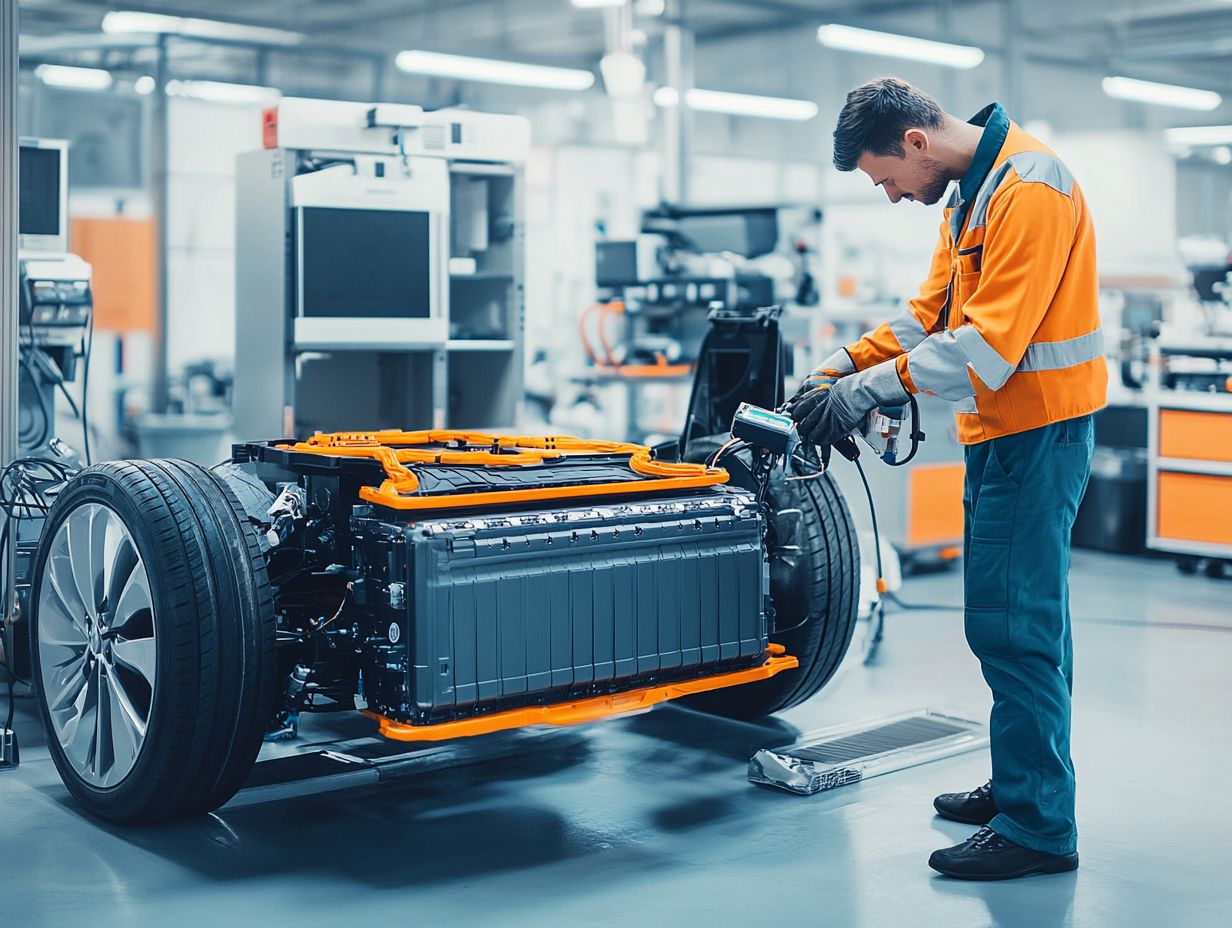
<point x="833" y="757"/>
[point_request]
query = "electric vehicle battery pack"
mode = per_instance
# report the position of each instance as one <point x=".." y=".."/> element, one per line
<point x="496" y="610"/>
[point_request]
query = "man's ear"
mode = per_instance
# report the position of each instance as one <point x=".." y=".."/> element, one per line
<point x="915" y="140"/>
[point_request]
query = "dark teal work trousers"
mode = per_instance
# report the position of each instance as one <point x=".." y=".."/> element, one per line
<point x="1020" y="500"/>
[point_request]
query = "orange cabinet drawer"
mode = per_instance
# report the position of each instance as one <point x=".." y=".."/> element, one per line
<point x="1194" y="507"/>
<point x="935" y="515"/>
<point x="1201" y="436"/>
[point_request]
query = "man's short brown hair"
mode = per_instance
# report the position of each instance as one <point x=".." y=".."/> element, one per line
<point x="875" y="117"/>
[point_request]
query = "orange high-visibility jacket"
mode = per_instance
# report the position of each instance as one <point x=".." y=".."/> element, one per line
<point x="1007" y="323"/>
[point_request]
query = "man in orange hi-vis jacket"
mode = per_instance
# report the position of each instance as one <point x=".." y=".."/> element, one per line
<point x="1007" y="326"/>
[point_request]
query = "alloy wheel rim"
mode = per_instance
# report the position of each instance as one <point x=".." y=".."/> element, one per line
<point x="97" y="654"/>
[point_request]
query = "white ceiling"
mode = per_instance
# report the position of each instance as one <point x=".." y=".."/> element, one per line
<point x="1181" y="40"/>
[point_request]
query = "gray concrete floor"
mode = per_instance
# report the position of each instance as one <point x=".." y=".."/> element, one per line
<point x="649" y="820"/>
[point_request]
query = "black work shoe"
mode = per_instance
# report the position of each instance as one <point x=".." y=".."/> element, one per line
<point x="986" y="855"/>
<point x="973" y="808"/>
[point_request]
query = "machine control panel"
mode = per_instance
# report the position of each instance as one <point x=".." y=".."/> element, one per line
<point x="56" y="292"/>
<point x="59" y="303"/>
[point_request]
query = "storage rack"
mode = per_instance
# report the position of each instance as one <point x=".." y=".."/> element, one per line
<point x="1189" y="482"/>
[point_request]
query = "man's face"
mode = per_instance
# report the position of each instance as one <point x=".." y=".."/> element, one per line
<point x="915" y="176"/>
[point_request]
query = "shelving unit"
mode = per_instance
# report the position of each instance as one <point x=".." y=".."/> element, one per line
<point x="1189" y="480"/>
<point x="486" y="311"/>
<point x="379" y="271"/>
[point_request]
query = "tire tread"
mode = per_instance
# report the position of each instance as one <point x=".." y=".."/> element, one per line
<point x="214" y="614"/>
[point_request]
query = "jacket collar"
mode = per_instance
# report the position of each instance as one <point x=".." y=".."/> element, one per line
<point x="996" y="125"/>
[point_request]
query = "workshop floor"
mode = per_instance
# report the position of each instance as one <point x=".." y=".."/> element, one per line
<point x="649" y="821"/>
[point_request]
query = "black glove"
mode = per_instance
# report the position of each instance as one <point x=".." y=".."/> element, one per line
<point x="837" y="365"/>
<point x="806" y="401"/>
<point x="823" y="417"/>
<point x="830" y="413"/>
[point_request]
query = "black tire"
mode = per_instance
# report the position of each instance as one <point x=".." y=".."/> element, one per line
<point x="212" y="615"/>
<point x="815" y="593"/>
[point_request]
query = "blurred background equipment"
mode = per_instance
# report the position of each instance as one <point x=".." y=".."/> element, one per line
<point x="616" y="220"/>
<point x="1188" y="409"/>
<point x="1189" y="424"/>
<point x="55" y="337"/>
<point x="403" y="280"/>
<point x="657" y="291"/>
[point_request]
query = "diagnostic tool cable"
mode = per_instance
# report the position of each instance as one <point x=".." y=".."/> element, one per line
<point x="38" y="366"/>
<point x="88" y="351"/>
<point x="848" y="448"/>
<point x="23" y="495"/>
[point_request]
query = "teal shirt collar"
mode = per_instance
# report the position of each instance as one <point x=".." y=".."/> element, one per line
<point x="996" y="126"/>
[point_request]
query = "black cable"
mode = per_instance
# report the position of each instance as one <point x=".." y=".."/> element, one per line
<point x="72" y="403"/>
<point x="872" y="511"/>
<point x="12" y="679"/>
<point x="48" y="424"/>
<point x="9" y="672"/>
<point x="915" y="434"/>
<point x="28" y="495"/>
<point x="56" y="372"/>
<point x="85" y="389"/>
<point x="48" y="416"/>
<point x="733" y="446"/>
<point x="8" y="722"/>
<point x="51" y="465"/>
<point x="879" y="606"/>
<point x="922" y="607"/>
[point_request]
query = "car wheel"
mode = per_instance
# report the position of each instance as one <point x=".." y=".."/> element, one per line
<point x="152" y="639"/>
<point x="815" y="588"/>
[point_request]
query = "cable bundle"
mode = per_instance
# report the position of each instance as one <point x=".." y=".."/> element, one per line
<point x="24" y="494"/>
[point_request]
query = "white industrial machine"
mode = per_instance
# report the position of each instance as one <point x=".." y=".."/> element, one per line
<point x="379" y="267"/>
<point x="55" y="308"/>
<point x="55" y="299"/>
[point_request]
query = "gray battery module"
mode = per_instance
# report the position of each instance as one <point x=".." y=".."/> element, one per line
<point x="527" y="607"/>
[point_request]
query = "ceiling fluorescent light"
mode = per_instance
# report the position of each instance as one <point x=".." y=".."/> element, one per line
<point x="666" y="96"/>
<point x="1199" y="135"/>
<point x="59" y="75"/>
<point x="868" y="42"/>
<point x="738" y="104"/>
<point x="136" y="21"/>
<point x="491" y="71"/>
<point x="744" y="104"/>
<point x="220" y="92"/>
<point x="597" y="4"/>
<point x="144" y="85"/>
<point x="1189" y="98"/>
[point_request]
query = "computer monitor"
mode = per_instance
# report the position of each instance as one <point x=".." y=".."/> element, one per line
<point x="364" y="263"/>
<point x="751" y="231"/>
<point x="42" y="223"/>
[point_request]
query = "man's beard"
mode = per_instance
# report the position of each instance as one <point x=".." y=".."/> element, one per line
<point x="933" y="188"/>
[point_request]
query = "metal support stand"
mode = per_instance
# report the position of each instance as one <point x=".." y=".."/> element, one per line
<point x="678" y="119"/>
<point x="1013" y="57"/>
<point x="440" y="389"/>
<point x="8" y="232"/>
<point x="159" y="188"/>
<point x="9" y="156"/>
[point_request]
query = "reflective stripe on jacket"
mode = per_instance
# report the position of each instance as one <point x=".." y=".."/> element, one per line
<point x="1007" y="322"/>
